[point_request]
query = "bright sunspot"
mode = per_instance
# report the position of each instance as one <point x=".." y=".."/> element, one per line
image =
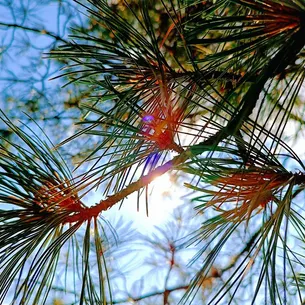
<point x="163" y="198"/>
<point x="161" y="185"/>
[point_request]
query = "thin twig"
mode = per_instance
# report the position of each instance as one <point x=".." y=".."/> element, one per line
<point x="39" y="31"/>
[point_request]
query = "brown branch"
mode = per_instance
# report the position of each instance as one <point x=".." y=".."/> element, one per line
<point x="103" y="205"/>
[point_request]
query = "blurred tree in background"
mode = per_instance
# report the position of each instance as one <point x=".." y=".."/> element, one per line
<point x="208" y="93"/>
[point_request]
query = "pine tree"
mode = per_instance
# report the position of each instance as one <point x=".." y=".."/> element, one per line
<point x="208" y="89"/>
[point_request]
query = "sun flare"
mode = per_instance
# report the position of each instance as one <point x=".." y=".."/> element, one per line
<point x="161" y="185"/>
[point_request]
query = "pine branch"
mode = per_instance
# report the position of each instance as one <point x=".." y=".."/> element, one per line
<point x="249" y="102"/>
<point x="276" y="65"/>
<point x="106" y="204"/>
<point x="47" y="197"/>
